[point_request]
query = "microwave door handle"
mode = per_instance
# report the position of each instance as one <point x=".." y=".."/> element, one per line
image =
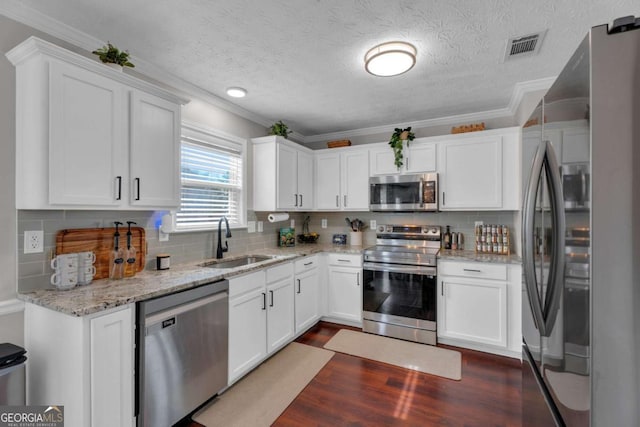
<point x="421" y="190"/>
<point x="528" y="228"/>
<point x="556" y="266"/>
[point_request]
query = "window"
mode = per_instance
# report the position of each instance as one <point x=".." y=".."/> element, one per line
<point x="212" y="175"/>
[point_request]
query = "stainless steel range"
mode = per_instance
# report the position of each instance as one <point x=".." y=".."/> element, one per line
<point x="400" y="280"/>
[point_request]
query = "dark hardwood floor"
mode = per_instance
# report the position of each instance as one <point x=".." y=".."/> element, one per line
<point x="350" y="391"/>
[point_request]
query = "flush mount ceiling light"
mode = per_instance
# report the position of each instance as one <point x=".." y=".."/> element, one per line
<point x="236" y="92"/>
<point x="390" y="59"/>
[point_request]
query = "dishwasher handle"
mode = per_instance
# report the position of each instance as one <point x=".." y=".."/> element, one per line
<point x="172" y="313"/>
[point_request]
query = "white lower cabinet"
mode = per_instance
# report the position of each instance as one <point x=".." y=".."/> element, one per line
<point x="306" y="293"/>
<point x="260" y="317"/>
<point x="479" y="306"/>
<point x="344" y="293"/>
<point x="84" y="363"/>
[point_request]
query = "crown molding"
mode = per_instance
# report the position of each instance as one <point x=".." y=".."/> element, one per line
<point x="520" y="89"/>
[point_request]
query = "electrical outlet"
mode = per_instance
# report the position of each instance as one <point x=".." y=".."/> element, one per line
<point x="372" y="224"/>
<point x="293" y="223"/>
<point x="162" y="237"/>
<point x="324" y="222"/>
<point x="33" y="242"/>
<point x="251" y="226"/>
<point x="260" y="227"/>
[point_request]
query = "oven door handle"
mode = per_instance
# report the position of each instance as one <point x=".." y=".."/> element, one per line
<point x="426" y="271"/>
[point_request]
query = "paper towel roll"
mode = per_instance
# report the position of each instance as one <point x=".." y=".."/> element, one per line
<point x="278" y="217"/>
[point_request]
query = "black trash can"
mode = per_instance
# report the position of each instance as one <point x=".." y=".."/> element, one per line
<point x="12" y="374"/>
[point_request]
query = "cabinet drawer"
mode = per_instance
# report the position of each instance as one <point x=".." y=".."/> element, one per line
<point x="243" y="284"/>
<point x="279" y="272"/>
<point x="345" y="260"/>
<point x="480" y="270"/>
<point x="306" y="263"/>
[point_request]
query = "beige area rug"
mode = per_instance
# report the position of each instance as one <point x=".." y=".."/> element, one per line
<point x="418" y="357"/>
<point x="259" y="398"/>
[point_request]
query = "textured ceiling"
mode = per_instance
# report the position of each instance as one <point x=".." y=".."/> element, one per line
<point x="302" y="61"/>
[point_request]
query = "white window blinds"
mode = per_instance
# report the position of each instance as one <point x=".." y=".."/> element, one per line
<point x="212" y="181"/>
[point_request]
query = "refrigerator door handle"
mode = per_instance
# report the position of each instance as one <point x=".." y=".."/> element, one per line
<point x="556" y="267"/>
<point x="545" y="315"/>
<point x="528" y="224"/>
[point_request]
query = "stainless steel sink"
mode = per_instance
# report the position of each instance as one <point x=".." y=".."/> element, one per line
<point x="237" y="262"/>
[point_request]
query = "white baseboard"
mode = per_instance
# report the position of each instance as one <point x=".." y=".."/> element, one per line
<point x="481" y="347"/>
<point x="11" y="306"/>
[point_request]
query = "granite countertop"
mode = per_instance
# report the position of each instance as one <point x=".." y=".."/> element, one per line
<point x="105" y="294"/>
<point x="450" y="255"/>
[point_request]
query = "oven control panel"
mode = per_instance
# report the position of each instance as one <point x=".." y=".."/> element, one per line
<point x="424" y="230"/>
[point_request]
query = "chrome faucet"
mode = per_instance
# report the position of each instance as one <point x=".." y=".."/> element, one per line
<point x="220" y="250"/>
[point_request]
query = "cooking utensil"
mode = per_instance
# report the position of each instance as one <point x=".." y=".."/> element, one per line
<point x="117" y="256"/>
<point x="130" y="266"/>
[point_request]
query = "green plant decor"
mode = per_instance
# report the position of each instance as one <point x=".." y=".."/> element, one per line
<point x="396" y="143"/>
<point x="280" y="129"/>
<point x="110" y="54"/>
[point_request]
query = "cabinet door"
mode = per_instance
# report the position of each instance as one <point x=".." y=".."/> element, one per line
<point x="247" y="332"/>
<point x="472" y="174"/>
<point x="345" y="293"/>
<point x="327" y="182"/>
<point x="154" y="151"/>
<point x="280" y="314"/>
<point x="421" y="157"/>
<point x="286" y="183"/>
<point x="87" y="145"/>
<point x="355" y="180"/>
<point x="307" y="296"/>
<point x="112" y="377"/>
<point x="473" y="310"/>
<point x="575" y="145"/>
<point x="382" y="161"/>
<point x="305" y="181"/>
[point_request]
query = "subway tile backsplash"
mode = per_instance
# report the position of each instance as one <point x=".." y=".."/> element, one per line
<point x="34" y="270"/>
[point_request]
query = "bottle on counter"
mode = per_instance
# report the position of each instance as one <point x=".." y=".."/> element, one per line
<point x="460" y="241"/>
<point x="454" y="241"/>
<point x="447" y="239"/>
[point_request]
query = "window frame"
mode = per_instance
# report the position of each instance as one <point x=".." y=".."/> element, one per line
<point x="221" y="139"/>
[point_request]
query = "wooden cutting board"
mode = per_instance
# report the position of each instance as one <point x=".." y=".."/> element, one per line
<point x="100" y="241"/>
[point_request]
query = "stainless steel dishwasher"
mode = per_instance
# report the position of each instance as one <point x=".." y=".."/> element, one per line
<point x="182" y="352"/>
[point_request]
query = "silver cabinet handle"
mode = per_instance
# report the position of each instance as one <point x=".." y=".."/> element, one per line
<point x="308" y="263"/>
<point x="443" y="203"/>
<point x="301" y="200"/>
<point x="472" y="270"/>
<point x="345" y="200"/>
<point x="337" y="201"/>
<point x="442" y="289"/>
<point x="406" y="165"/>
<point x="299" y="286"/>
<point x="296" y="204"/>
<point x="358" y="279"/>
<point x="344" y="260"/>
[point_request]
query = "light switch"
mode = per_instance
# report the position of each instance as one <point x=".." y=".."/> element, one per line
<point x="293" y="223"/>
<point x="260" y="227"/>
<point x="251" y="226"/>
<point x="372" y="224"/>
<point x="324" y="223"/>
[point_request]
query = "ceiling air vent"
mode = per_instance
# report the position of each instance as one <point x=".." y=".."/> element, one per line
<point x="523" y="46"/>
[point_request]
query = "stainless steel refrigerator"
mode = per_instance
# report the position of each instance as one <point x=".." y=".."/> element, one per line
<point x="581" y="239"/>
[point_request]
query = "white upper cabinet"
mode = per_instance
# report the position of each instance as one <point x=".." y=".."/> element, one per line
<point x="89" y="137"/>
<point x="154" y="151"/>
<point x="282" y="175"/>
<point x="418" y="157"/>
<point x="342" y="179"/>
<point x="480" y="171"/>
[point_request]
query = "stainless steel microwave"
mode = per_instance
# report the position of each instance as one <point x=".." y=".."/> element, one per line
<point x="404" y="193"/>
